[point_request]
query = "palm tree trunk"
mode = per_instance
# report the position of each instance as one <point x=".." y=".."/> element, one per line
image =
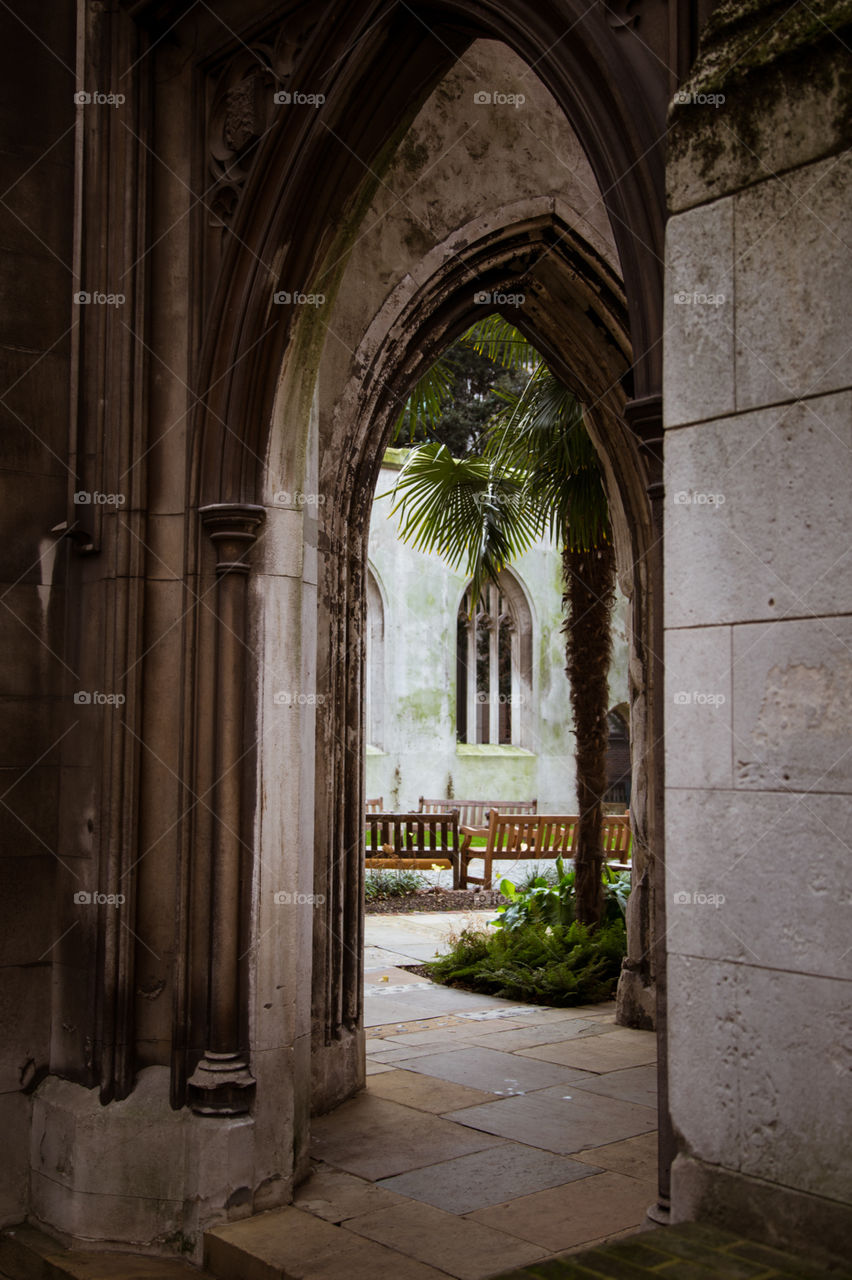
<point x="589" y="578"/>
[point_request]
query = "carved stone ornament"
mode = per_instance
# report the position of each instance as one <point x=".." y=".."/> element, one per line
<point x="243" y="108"/>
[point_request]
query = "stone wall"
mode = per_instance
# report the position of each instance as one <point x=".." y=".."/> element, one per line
<point x="758" y="461"/>
<point x="36" y="256"/>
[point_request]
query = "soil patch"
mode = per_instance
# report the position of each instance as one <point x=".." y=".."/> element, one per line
<point x="437" y="900"/>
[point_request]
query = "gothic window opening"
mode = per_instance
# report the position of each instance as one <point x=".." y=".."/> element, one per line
<point x="494" y="666"/>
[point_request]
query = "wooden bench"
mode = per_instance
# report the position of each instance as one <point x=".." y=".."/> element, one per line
<point x="474" y="813"/>
<point x="413" y="841"/>
<point x="375" y="806"/>
<point x="516" y="837"/>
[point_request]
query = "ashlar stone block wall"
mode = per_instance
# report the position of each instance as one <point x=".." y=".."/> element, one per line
<point x="758" y="459"/>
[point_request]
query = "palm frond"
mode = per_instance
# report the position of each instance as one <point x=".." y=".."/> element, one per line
<point x="478" y="516"/>
<point x="541" y="433"/>
<point x="426" y="401"/>
<point x="501" y="342"/>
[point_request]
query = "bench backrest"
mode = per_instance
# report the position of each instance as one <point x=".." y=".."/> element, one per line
<point x="617" y="838"/>
<point x="377" y="805"/>
<point x="474" y="813"/>
<point x="412" y="835"/>
<point x="551" y="835"/>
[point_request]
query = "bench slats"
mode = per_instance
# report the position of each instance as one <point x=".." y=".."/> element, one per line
<point x="513" y="837"/>
<point x="474" y="813"/>
<point x="413" y="841"/>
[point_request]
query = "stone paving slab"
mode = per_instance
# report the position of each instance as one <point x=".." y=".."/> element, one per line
<point x="335" y="1196"/>
<point x="457" y="1246"/>
<point x="376" y="957"/>
<point x="637" y="1157"/>
<point x="409" y="1053"/>
<point x="564" y="1122"/>
<point x="285" y="1243"/>
<point x="530" y="1037"/>
<point x="575" y="1213"/>
<point x="426" y="1093"/>
<point x="395" y="1002"/>
<point x="630" y="1084"/>
<point x="420" y="935"/>
<point x="380" y="974"/>
<point x="495" y="1072"/>
<point x="487" y="1177"/>
<point x="374" y="1138"/>
<point x="619" y="1048"/>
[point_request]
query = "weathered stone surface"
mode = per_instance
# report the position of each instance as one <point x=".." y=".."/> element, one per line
<point x="753" y="1115"/>
<point x="487" y="1177"/>
<point x="777" y="360"/>
<point x="562" y="1119"/>
<point x="411" y="1141"/>
<point x="745" y="498"/>
<point x="777" y="81"/>
<point x="792" y="689"/>
<point x="699" y="315"/>
<point x="734" y="854"/>
<point x="581" y="1211"/>
<point x="699" y="707"/>
<point x="459" y="1246"/>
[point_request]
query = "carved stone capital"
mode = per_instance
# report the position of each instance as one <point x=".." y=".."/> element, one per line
<point x="232" y="527"/>
<point x="221" y="1085"/>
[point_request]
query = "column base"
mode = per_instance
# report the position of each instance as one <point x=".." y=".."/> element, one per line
<point x="136" y="1174"/>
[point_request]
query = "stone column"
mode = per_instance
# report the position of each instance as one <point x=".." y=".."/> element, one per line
<point x="222" y="1083"/>
<point x="645" y="418"/>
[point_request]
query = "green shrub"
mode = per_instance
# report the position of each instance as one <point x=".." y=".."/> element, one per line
<point x="551" y="899"/>
<point x="387" y="883"/>
<point x="542" y="964"/>
<point x="539" y="952"/>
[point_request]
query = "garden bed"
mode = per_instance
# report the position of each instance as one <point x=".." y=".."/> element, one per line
<point x="436" y="900"/>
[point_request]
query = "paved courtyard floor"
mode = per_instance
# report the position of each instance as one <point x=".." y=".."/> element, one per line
<point x="492" y="1138"/>
<point x="491" y="1135"/>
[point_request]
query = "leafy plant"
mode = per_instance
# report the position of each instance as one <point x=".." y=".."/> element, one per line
<point x="387" y="883"/>
<point x="552" y="899"/>
<point x="557" y="964"/>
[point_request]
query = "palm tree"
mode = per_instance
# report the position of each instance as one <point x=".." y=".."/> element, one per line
<point x="538" y="471"/>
